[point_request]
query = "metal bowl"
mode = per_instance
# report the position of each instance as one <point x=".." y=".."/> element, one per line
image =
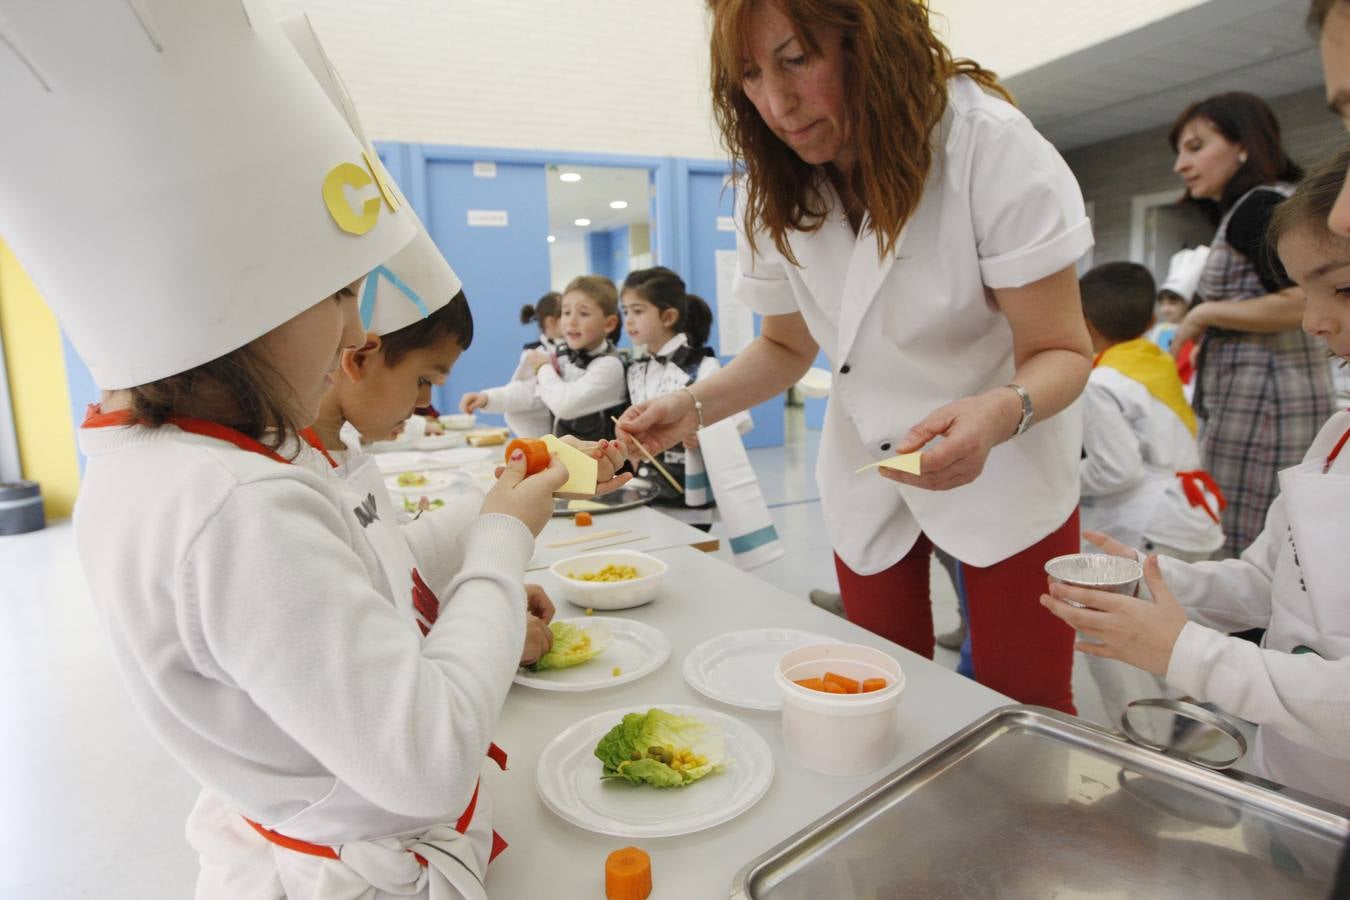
<point x="1097" y="571"/>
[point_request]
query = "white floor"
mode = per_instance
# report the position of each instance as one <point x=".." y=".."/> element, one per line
<point x="93" y="808"/>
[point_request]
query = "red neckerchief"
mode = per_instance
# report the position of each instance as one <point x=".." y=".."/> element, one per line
<point x="96" y="418"/>
<point x="1335" y="452"/>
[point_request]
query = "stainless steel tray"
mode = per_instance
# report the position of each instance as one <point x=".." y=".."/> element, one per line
<point x="1030" y="803"/>
<point x="626" y="497"/>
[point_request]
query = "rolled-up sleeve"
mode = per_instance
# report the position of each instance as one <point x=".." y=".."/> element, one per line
<point x="1026" y="206"/>
<point x="761" y="281"/>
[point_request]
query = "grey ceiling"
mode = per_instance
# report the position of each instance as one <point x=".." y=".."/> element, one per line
<point x="1146" y="77"/>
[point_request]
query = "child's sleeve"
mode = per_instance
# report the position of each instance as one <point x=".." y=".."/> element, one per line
<point x="1300" y="695"/>
<point x="1231" y="594"/>
<point x="1112" y="458"/>
<point x="512" y="397"/>
<point x="289" y="617"/>
<point x="434" y="538"/>
<point x="601" y="386"/>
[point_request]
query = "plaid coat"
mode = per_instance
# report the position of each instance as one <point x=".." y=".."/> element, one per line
<point x="1261" y="398"/>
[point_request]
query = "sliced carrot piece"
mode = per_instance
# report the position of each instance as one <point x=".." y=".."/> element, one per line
<point x="834" y="688"/>
<point x="583" y="519"/>
<point x="536" y="452"/>
<point x="813" y="684"/>
<point x="873" y="684"/>
<point x="628" y="875"/>
<point x="849" y="685"/>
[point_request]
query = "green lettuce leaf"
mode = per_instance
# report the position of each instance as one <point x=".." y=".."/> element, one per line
<point x="574" y="645"/>
<point x="661" y="749"/>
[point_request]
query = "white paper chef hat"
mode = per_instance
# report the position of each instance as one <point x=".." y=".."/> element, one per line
<point x="175" y="181"/>
<point x="1184" y="270"/>
<point x="417" y="280"/>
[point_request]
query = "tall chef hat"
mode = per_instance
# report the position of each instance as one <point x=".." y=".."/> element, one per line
<point x="417" y="280"/>
<point x="1184" y="270"/>
<point x="176" y="182"/>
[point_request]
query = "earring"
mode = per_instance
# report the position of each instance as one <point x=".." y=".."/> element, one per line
<point x="1242" y="159"/>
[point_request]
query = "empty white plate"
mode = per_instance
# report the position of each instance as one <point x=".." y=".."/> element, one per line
<point x="436" y="481"/>
<point x="737" y="668"/>
<point x="568" y="778"/>
<point x="636" y="650"/>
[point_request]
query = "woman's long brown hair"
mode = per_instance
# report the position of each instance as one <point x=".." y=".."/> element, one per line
<point x="896" y="72"/>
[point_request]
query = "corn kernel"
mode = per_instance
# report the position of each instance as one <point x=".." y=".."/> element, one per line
<point x="617" y="672"/>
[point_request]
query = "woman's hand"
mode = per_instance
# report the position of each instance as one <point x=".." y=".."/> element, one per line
<point x="1190" y="328"/>
<point x="473" y="401"/>
<point x="1130" y="629"/>
<point x="659" y="423"/>
<point x="969" y="429"/>
<point x="691" y="441"/>
<point x="610" y="455"/>
<point x="527" y="498"/>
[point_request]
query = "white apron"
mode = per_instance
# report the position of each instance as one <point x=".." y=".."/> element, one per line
<point x="238" y="861"/>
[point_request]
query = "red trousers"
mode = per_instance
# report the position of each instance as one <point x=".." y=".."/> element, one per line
<point x="1018" y="647"/>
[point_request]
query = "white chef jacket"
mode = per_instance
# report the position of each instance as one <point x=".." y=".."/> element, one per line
<point x="1133" y="447"/>
<point x="518" y="400"/>
<point x="917" y="329"/>
<point x="1292" y="581"/>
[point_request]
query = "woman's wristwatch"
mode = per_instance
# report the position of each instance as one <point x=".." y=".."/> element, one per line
<point x="1028" y="411"/>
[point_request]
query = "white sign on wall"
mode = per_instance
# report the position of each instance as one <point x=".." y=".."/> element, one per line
<point x="484" y="170"/>
<point x="726" y="223"/>
<point x="487" y="218"/>
<point x="735" y="321"/>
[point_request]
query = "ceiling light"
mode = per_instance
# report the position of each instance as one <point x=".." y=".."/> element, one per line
<point x="570" y="176"/>
<point x="618" y="204"/>
<point x="582" y="223"/>
<point x="551" y="239"/>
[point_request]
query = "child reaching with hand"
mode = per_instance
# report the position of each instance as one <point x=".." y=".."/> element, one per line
<point x="526" y="415"/>
<point x="1291" y="581"/>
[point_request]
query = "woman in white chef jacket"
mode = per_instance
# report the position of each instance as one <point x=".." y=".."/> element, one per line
<point x="897" y="211"/>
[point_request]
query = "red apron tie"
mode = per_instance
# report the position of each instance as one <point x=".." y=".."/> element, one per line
<point x="1194" y="484"/>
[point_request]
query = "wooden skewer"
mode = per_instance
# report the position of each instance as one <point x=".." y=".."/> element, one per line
<point x="584" y="539"/>
<point x="652" y="459"/>
<point x="640" y="537"/>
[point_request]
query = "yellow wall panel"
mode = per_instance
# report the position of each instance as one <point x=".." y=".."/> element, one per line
<point x="37" y="388"/>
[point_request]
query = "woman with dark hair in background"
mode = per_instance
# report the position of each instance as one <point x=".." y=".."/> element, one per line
<point x="1263" y="386"/>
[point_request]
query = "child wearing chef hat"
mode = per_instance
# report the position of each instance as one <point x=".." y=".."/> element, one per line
<point x="1291" y="581"/>
<point x="235" y="215"/>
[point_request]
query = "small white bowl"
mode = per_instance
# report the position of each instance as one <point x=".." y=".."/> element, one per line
<point x="459" y="421"/>
<point x="610" y="594"/>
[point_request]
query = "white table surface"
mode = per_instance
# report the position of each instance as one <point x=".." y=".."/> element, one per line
<point x="703" y="597"/>
<point x="658" y="531"/>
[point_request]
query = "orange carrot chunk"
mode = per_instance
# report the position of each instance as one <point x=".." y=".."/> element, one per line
<point x="536" y="452"/>
<point x="849" y="685"/>
<point x="833" y="688"/>
<point x="873" y="684"/>
<point x="628" y="875"/>
<point x="583" y="519"/>
<point x="813" y="684"/>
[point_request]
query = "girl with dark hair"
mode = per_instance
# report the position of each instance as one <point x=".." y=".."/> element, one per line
<point x="518" y="400"/>
<point x="1262" y="387"/>
<point x="897" y="211"/>
<point x="670" y="330"/>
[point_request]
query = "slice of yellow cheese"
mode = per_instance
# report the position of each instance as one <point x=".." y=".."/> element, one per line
<point x="904" y="462"/>
<point x="582" y="471"/>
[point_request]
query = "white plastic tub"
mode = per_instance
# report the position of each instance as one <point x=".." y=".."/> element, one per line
<point x="610" y="594"/>
<point x="839" y="734"/>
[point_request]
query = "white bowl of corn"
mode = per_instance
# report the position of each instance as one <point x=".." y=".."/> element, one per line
<point x="613" y="579"/>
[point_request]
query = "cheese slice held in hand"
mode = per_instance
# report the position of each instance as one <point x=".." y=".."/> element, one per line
<point x="582" y="470"/>
<point x="902" y="462"/>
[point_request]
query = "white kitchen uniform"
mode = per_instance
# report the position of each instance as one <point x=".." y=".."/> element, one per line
<point x="917" y="329"/>
<point x="518" y="400"/>
<point x="1293" y="581"/>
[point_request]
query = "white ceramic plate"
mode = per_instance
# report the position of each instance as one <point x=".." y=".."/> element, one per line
<point x="462" y="456"/>
<point x="568" y="779"/>
<point x="435" y="482"/>
<point x="737" y="668"/>
<point x="402" y="442"/>
<point x="637" y="650"/>
<point x="439" y="441"/>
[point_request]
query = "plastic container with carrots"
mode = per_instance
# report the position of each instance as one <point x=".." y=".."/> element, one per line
<point x="839" y="703"/>
<point x="536" y="453"/>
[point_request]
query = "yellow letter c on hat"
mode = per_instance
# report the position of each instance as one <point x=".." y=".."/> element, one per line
<point x="350" y="175"/>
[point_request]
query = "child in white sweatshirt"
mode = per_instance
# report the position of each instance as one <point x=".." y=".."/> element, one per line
<point x="518" y="400"/>
<point x="1292" y="580"/>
